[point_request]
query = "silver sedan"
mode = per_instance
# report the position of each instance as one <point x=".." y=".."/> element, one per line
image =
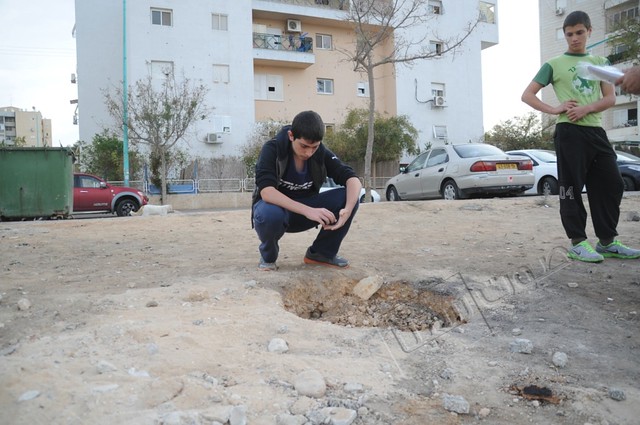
<point x="461" y="171"/>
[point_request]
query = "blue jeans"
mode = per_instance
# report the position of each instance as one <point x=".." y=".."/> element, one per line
<point x="272" y="222"/>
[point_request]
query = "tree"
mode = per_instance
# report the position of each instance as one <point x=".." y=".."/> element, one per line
<point x="393" y="136"/>
<point x="625" y="41"/>
<point x="159" y="118"/>
<point x="379" y="27"/>
<point x="250" y="151"/>
<point x="523" y="132"/>
<point x="103" y="157"/>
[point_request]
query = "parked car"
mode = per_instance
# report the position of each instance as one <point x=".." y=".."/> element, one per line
<point x="330" y="184"/>
<point x="545" y="170"/>
<point x="629" y="166"/>
<point x="92" y="194"/>
<point x="460" y="171"/>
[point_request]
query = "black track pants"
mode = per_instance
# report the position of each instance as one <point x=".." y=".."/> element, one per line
<point x="586" y="158"/>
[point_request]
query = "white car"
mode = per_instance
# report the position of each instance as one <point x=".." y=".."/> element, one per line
<point x="460" y="171"/>
<point x="330" y="184"/>
<point x="545" y="170"/>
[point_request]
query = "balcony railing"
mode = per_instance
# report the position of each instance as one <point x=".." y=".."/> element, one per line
<point x="292" y="43"/>
<point x="331" y="4"/>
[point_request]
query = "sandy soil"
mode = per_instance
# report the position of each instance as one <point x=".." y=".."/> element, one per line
<point x="165" y="319"/>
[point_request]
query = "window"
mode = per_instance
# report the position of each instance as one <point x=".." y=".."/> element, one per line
<point x="440" y="132"/>
<point x="435" y="7"/>
<point x="559" y="34"/>
<point x="329" y="128"/>
<point x="363" y="89"/>
<point x="324" y="86"/>
<point x="437" y="89"/>
<point x="162" y="17"/>
<point x="437" y="157"/>
<point x="625" y="118"/>
<point x="418" y="163"/>
<point x="221" y="74"/>
<point x="268" y="87"/>
<point x="221" y="124"/>
<point x="324" y="41"/>
<point x="219" y="22"/>
<point x="435" y="47"/>
<point x="161" y="70"/>
<point x="487" y="12"/>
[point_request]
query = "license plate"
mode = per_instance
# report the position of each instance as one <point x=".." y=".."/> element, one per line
<point x="506" y="166"/>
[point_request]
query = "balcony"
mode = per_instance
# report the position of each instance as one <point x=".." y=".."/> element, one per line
<point x="283" y="50"/>
<point x="326" y="4"/>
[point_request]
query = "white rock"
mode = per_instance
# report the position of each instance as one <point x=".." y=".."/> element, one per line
<point x="29" y="395"/>
<point x="521" y="345"/>
<point x="238" y="415"/>
<point x="559" y="359"/>
<point x="484" y="412"/>
<point x="455" y="403"/>
<point x="278" y="345"/>
<point x="24" y="304"/>
<point x="367" y="287"/>
<point x="310" y="383"/>
<point x="340" y="415"/>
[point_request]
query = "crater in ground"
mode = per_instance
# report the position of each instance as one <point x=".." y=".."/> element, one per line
<point x="403" y="305"/>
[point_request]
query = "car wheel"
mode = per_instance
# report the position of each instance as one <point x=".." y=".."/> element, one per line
<point x="392" y="194"/>
<point x="362" y="199"/>
<point x="628" y="183"/>
<point x="125" y="207"/>
<point x="450" y="191"/>
<point x="548" y="186"/>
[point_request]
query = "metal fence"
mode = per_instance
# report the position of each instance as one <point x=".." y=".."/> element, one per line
<point x="175" y="186"/>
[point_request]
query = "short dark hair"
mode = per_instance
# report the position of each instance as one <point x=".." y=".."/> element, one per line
<point x="576" y="18"/>
<point x="308" y="125"/>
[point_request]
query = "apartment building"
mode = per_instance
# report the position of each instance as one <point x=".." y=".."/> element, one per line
<point x="16" y="123"/>
<point x="269" y="59"/>
<point x="620" y="121"/>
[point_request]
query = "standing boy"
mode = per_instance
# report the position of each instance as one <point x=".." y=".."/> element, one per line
<point x="585" y="156"/>
<point x="289" y="173"/>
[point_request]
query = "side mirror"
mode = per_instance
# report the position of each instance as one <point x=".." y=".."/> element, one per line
<point x="403" y="169"/>
<point x="103" y="185"/>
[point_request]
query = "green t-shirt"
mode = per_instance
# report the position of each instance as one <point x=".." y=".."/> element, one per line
<point x="561" y="72"/>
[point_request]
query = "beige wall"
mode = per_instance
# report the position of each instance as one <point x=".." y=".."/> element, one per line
<point x="300" y="83"/>
<point x="35" y="130"/>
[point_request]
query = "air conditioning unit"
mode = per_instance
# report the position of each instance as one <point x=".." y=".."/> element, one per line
<point x="294" y="25"/>
<point x="560" y="11"/>
<point x="213" y="138"/>
<point x="439" y="101"/>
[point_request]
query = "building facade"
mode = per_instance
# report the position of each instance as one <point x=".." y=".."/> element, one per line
<point x="28" y="126"/>
<point x="620" y="121"/>
<point x="267" y="60"/>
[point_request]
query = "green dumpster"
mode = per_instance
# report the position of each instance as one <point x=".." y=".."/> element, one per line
<point x="36" y="183"/>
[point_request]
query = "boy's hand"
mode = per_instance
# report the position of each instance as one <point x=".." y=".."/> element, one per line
<point x="321" y="216"/>
<point x="343" y="216"/>
<point x="577" y="113"/>
<point x="565" y="106"/>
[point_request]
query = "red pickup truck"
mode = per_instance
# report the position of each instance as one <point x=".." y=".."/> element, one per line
<point x="92" y="194"/>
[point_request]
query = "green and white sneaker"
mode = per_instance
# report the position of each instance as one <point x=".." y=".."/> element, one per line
<point x="584" y="252"/>
<point x="617" y="250"/>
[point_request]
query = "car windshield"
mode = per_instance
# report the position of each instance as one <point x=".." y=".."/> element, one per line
<point x="627" y="157"/>
<point x="476" y="150"/>
<point x="546" y="156"/>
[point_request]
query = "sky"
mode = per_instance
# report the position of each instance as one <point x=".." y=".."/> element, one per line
<point x="37" y="57"/>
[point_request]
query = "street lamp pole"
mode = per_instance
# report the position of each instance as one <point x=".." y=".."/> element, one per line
<point x="35" y="117"/>
<point x="125" y="97"/>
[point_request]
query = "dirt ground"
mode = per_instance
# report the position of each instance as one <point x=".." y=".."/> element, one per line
<point x="166" y="320"/>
